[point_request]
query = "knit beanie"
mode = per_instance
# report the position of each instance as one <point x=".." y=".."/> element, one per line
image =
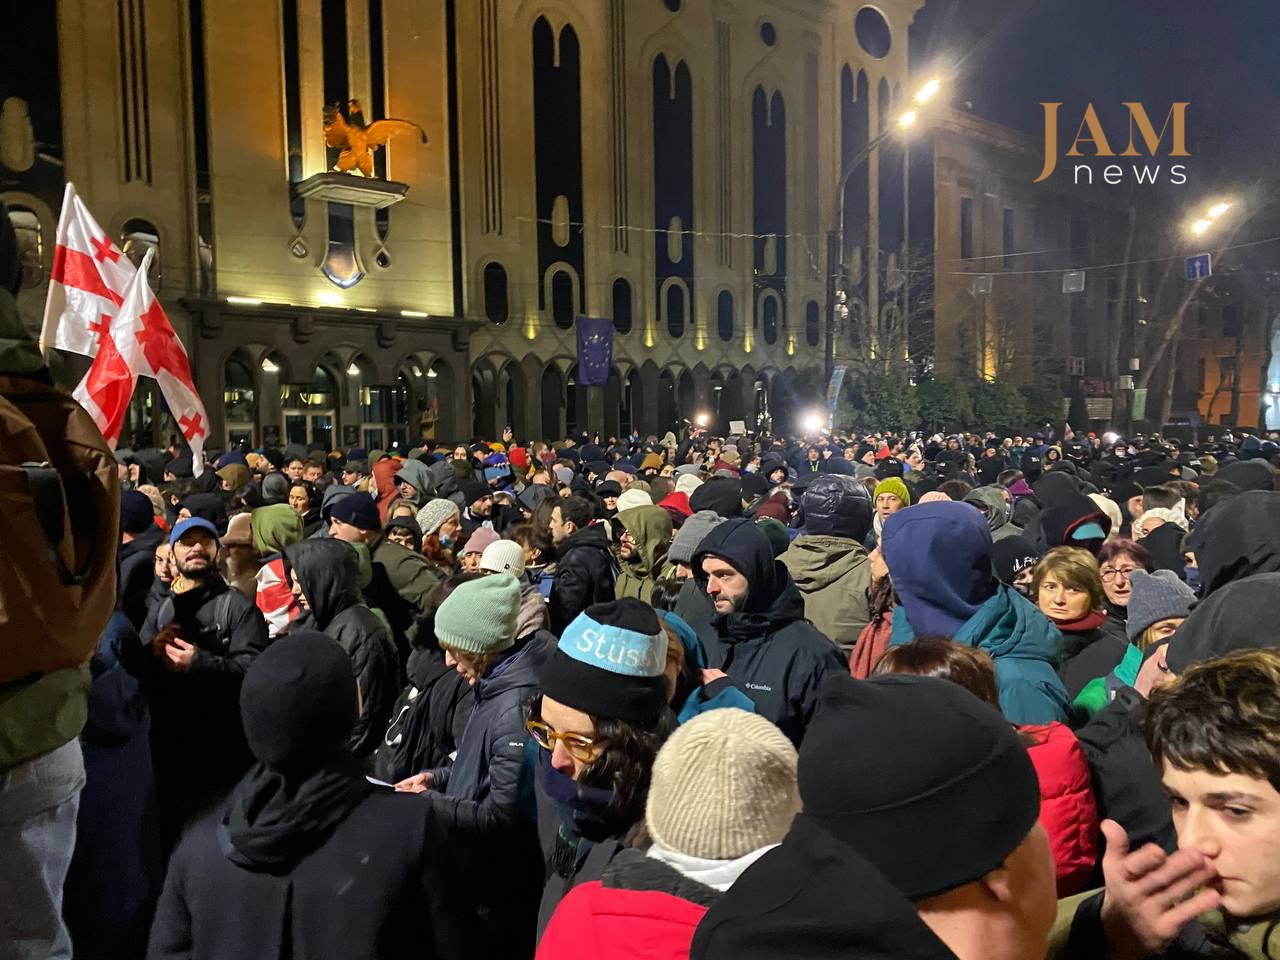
<point x="136" y="513"/>
<point x="564" y="475"/>
<point x="480" y="615"/>
<point x="479" y="540"/>
<point x="688" y="482"/>
<point x="434" y="514"/>
<point x="1012" y="555"/>
<point x="611" y="662"/>
<point x="1240" y="615"/>
<point x="688" y="470"/>
<point x="724" y="784"/>
<point x="967" y="799"/>
<point x="651" y="461"/>
<point x="298" y="702"/>
<point x="359" y="511"/>
<point x="895" y="486"/>
<point x="721" y="494"/>
<point x="1155" y="597"/>
<point x="634" y="498"/>
<point x="503" y="556"/>
<point x="690" y="535"/>
<point x="776" y="533"/>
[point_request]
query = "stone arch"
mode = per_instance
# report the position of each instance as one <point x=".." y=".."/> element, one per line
<point x="553" y="406"/>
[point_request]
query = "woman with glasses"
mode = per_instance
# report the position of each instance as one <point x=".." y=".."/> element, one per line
<point x="600" y="721"/>
<point x="1118" y="559"/>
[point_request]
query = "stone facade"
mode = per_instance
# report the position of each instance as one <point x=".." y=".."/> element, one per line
<point x="668" y="164"/>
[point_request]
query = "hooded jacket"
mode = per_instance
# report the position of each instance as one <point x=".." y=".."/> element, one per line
<point x="418" y="475"/>
<point x="327" y="571"/>
<point x="1237" y="538"/>
<point x="400" y="586"/>
<point x="999" y="512"/>
<point x="772" y="653"/>
<point x="137" y="570"/>
<point x="833" y="575"/>
<point x="939" y="556"/>
<point x="651" y="528"/>
<point x="585" y="574"/>
<point x="717" y="694"/>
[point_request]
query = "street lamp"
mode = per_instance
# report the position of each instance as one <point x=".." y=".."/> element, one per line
<point x="1202" y="224"/>
<point x="835" y="239"/>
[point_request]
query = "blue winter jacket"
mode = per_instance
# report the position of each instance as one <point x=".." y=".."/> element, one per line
<point x="713" y="696"/>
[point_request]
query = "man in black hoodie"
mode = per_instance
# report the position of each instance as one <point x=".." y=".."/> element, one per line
<point x="759" y="635"/>
<point x="325" y="579"/>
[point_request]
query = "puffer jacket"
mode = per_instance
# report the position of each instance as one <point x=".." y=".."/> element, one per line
<point x="328" y="573"/>
<point x="585" y="574"/>
<point x="1068" y="811"/>
<point x="833" y="576"/>
<point x="772" y="653"/>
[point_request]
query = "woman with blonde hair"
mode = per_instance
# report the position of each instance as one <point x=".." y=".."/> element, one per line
<point x="1067" y="587"/>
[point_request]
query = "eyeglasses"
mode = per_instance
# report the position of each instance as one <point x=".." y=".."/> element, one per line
<point x="580" y="748"/>
<point x="1117" y="573"/>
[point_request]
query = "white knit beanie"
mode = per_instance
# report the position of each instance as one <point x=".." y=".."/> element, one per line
<point x="724" y="784"/>
<point x="687" y="483"/>
<point x="433" y="515"/>
<point x="503" y="556"/>
<point x="634" y="498"/>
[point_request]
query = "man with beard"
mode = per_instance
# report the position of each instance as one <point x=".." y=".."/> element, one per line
<point x="202" y="638"/>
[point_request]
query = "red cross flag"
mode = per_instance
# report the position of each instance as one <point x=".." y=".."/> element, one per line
<point x="101" y="306"/>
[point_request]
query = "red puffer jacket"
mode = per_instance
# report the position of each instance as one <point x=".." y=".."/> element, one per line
<point x="596" y="921"/>
<point x="1067" y="808"/>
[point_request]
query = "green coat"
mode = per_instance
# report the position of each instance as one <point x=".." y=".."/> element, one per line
<point x="834" y="577"/>
<point x="651" y="528"/>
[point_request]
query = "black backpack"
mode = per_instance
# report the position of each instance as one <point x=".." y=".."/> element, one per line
<point x="426" y="722"/>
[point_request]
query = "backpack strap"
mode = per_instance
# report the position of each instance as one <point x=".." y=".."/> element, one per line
<point x="49" y="500"/>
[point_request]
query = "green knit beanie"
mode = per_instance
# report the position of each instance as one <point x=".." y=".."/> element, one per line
<point x="895" y="486"/>
<point x="480" y="615"/>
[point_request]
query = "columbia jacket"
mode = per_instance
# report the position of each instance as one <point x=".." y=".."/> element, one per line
<point x="772" y="653"/>
<point x="327" y="572"/>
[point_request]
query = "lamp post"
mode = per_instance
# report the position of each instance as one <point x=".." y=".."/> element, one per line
<point x="835" y="238"/>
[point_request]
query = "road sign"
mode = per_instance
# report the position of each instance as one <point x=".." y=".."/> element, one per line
<point x="1199" y="266"/>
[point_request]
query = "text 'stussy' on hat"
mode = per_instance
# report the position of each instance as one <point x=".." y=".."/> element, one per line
<point x="966" y="799"/>
<point x="610" y="662"/>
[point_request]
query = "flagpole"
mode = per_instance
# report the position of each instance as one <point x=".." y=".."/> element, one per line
<point x="49" y="326"/>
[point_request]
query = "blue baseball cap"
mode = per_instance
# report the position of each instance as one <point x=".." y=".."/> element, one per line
<point x="192" y="523"/>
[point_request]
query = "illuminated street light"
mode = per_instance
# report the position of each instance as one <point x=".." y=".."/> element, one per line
<point x="928" y="91"/>
<point x="909" y="118"/>
<point x="813" y="422"/>
<point x="1200" y="226"/>
<point x="701" y="420"/>
<point x="1218" y="209"/>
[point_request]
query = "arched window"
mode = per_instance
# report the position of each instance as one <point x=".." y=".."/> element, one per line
<point x="724" y="315"/>
<point x="675" y="310"/>
<point x="136" y="238"/>
<point x="812" y="333"/>
<point x="238" y="399"/>
<point x="622" y="305"/>
<point x="562" y="300"/>
<point x="769" y="317"/>
<point x="495" y="293"/>
<point x="31" y="246"/>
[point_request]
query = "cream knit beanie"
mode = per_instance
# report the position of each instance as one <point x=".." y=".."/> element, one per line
<point x="724" y="784"/>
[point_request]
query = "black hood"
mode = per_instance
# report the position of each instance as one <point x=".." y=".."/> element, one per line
<point x="1240" y="616"/>
<point x="1056" y="487"/>
<point x="328" y="571"/>
<point x="814" y="897"/>
<point x="1237" y="538"/>
<point x="741" y="544"/>
<point x="835" y="505"/>
<point x="1067" y="514"/>
<point x="1248" y="475"/>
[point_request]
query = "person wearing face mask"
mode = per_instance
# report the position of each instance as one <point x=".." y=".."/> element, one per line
<point x="1013" y="560"/>
<point x="600" y="720"/>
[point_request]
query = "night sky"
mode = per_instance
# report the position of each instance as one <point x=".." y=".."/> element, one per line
<point x="1222" y="56"/>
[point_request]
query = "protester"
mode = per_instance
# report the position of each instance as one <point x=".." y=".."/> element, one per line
<point x="758" y="635"/>
<point x="723" y="795"/>
<point x="585" y="569"/>
<point x="600" y="721"/>
<point x="642" y="548"/>
<point x="890" y="496"/>
<point x="1068" y="590"/>
<point x="239" y="558"/>
<point x="139" y="537"/>
<point x="262" y="873"/>
<point x="827" y="561"/>
<point x="274" y="528"/>
<point x="1118" y="560"/>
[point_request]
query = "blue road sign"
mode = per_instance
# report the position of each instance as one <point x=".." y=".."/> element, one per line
<point x="1199" y="266"/>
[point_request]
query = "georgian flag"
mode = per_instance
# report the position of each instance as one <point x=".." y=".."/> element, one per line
<point x="101" y="306"/>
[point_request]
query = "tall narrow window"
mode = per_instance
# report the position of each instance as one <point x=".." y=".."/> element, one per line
<point x="724" y="315"/>
<point x="562" y="311"/>
<point x="966" y="228"/>
<point x="495" y="293"/>
<point x="675" y="310"/>
<point x="292" y="104"/>
<point x="622" y="305"/>
<point x="1006" y="237"/>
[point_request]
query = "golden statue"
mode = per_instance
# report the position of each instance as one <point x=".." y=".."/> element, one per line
<point x="356" y="141"/>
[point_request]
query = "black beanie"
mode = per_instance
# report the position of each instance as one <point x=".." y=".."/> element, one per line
<point x="1012" y="555"/>
<point x="721" y="495"/>
<point x="136" y="512"/>
<point x="753" y="485"/>
<point x="1238" y="616"/>
<point x="298" y="702"/>
<point x="473" y="490"/>
<point x="611" y="662"/>
<point x="1125" y="490"/>
<point x="936" y="789"/>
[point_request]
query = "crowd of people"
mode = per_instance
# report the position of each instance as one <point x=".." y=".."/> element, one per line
<point x="1000" y="697"/>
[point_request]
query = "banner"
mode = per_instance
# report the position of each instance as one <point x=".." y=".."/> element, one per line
<point x="595" y="351"/>
<point x="833" y="389"/>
